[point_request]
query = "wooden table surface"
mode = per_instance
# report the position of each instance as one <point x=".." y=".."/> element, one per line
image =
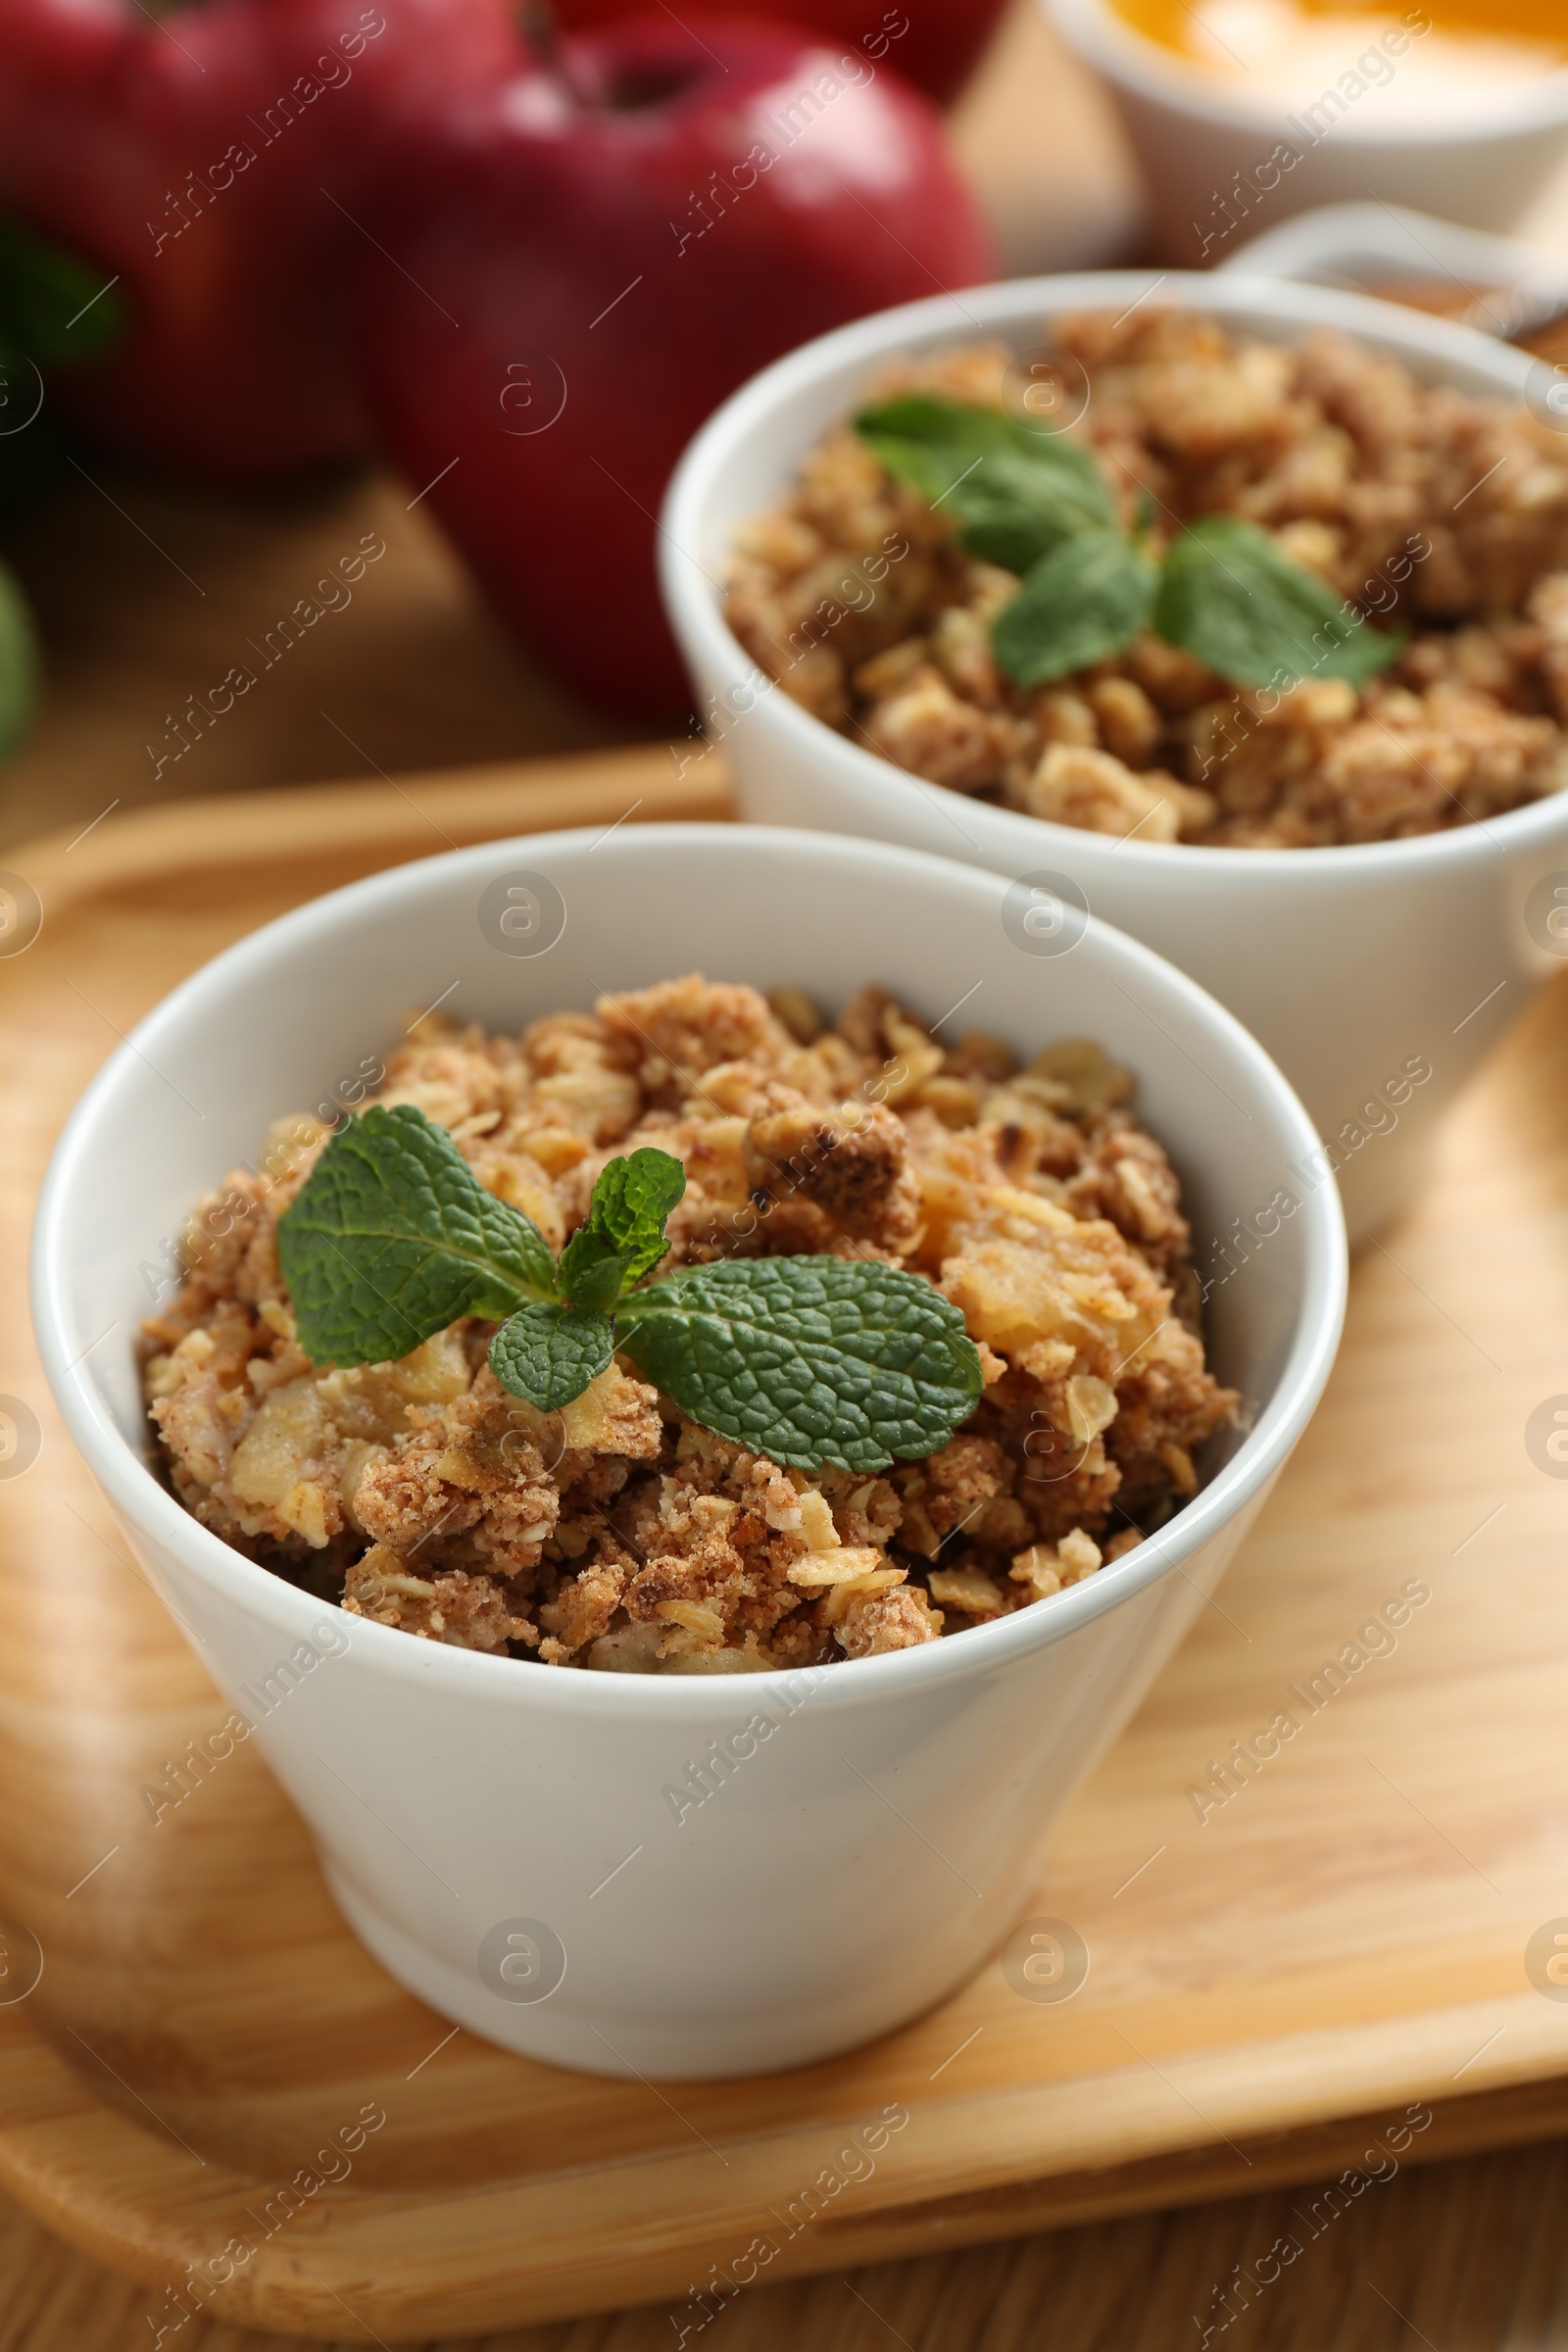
<point x="146" y="594"/>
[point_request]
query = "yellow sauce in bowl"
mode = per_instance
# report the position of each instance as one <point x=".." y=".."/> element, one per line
<point x="1440" y="51"/>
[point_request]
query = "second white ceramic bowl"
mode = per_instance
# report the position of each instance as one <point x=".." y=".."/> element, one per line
<point x="503" y="1836"/>
<point x="1355" y="966"/>
<point x="1214" y="157"/>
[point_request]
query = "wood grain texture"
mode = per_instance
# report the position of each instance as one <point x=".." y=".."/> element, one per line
<point x="1317" y="1921"/>
<point x="1460" y="2257"/>
<point x="1270" y="1985"/>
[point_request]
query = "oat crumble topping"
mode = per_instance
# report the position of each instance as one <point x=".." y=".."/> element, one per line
<point x="617" y="1533"/>
<point x="1426" y="509"/>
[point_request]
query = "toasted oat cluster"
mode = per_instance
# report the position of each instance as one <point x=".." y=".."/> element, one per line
<point x="1429" y="511"/>
<point x="617" y="1532"/>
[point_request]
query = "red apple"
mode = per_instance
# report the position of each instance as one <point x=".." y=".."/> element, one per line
<point x="589" y="262"/>
<point x="937" y="47"/>
<point x="209" y="158"/>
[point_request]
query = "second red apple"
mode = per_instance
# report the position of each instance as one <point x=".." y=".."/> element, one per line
<point x="589" y="260"/>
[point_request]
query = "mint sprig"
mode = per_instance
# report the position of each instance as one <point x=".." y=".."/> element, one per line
<point x="1014" y="493"/>
<point x="1036" y="504"/>
<point x="1228" y="596"/>
<point x="549" y="1353"/>
<point x="624" y="1238"/>
<point x="808" y="1360"/>
<point x="393" y="1236"/>
<point x="1080" y="604"/>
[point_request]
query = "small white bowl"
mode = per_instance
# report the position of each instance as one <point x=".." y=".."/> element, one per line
<point x="486" y="1824"/>
<point x="1478" y="159"/>
<point x="1348" y="964"/>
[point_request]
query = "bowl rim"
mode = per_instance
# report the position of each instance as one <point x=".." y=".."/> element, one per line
<point x="146" y="1505"/>
<point x="1098" y="31"/>
<point x="690" y="597"/>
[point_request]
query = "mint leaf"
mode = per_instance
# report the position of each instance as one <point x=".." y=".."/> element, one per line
<point x="1228" y="596"/>
<point x="631" y="1205"/>
<point x="624" y="1236"/>
<point x="593" y="1271"/>
<point x="1013" y="492"/>
<point x="1080" y="604"/>
<point x="808" y="1359"/>
<point x="393" y="1236"/>
<point x="19" y="663"/>
<point x="1037" y="504"/>
<point x="549" y="1353"/>
<point x="54" y="307"/>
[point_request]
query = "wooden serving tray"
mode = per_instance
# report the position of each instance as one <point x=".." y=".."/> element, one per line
<point x="1271" y="1987"/>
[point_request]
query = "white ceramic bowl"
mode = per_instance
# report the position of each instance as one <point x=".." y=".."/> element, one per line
<point x="1478" y="158"/>
<point x="1348" y="964"/>
<point x="884" y="1831"/>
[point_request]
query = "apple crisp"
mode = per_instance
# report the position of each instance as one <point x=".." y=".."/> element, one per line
<point x="1439" y="515"/>
<point x="617" y="1533"/>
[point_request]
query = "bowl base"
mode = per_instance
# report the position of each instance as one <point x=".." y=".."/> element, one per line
<point x="630" y="2045"/>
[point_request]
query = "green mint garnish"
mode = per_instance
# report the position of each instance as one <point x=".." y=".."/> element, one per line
<point x="807" y="1359"/>
<point x="1014" y="493"/>
<point x="393" y="1236"/>
<point x="550" y="1352"/>
<point x="1228" y="596"/>
<point x="1083" y="603"/>
<point x="624" y="1238"/>
<point x="1036" y="504"/>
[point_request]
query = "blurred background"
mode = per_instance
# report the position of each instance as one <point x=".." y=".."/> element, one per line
<point x="321" y="452"/>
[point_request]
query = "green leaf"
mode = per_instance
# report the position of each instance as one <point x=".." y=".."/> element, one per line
<point x="632" y="1203"/>
<point x="58" y="310"/>
<point x="624" y="1236"/>
<point x="1013" y="491"/>
<point x="808" y="1359"/>
<point x="593" y="1272"/>
<point x="19" y="663"/>
<point x="393" y="1236"/>
<point x="33" y="453"/>
<point x="1228" y="596"/>
<point x="1080" y="604"/>
<point x="549" y="1353"/>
